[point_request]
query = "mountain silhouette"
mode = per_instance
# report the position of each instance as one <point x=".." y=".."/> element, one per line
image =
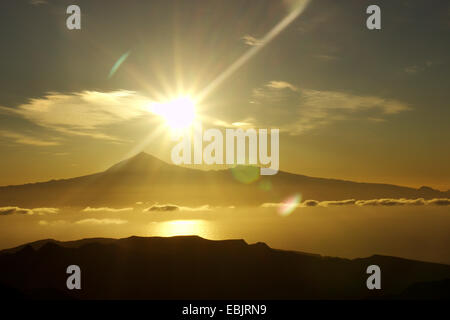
<point x="146" y="178"/>
<point x="190" y="267"/>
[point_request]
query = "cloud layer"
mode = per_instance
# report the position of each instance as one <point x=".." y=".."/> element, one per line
<point x="17" y="210"/>
<point x="94" y="221"/>
<point x="372" y="202"/>
<point x="174" y="207"/>
<point x="106" y="209"/>
<point x="251" y="41"/>
<point x="310" y="109"/>
<point x="21" y="138"/>
<point x="84" y="113"/>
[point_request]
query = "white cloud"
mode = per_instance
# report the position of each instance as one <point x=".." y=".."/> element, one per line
<point x="245" y="123"/>
<point x="329" y="100"/>
<point x="200" y="208"/>
<point x="251" y="41"/>
<point x="39" y="211"/>
<point x="83" y="113"/>
<point x="38" y="2"/>
<point x="412" y="69"/>
<point x="402" y="202"/>
<point x="371" y="202"/>
<point x="326" y="57"/>
<point x="51" y="223"/>
<point x="21" y="138"/>
<point x="417" y="68"/>
<point x="106" y="209"/>
<point x="174" y="207"/>
<point x="281" y="85"/>
<point x="310" y="109"/>
<point x="338" y="203"/>
<point x="439" y="202"/>
<point x="95" y="221"/>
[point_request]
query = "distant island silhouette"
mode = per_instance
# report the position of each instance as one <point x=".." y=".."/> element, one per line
<point x="147" y="178"/>
<point x="190" y="267"/>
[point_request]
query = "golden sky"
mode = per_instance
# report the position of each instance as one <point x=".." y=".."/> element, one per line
<point x="350" y="103"/>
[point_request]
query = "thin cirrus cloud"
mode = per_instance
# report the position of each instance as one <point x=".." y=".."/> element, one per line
<point x="314" y="108"/>
<point x="84" y="113"/>
<point x="251" y="41"/>
<point x="51" y="223"/>
<point x="4" y="211"/>
<point x="94" y="221"/>
<point x="244" y="123"/>
<point x="106" y="209"/>
<point x="415" y="69"/>
<point x="174" y="207"/>
<point x="21" y="138"/>
<point x="281" y="85"/>
<point x="388" y="202"/>
<point x="326" y="57"/>
<point x="38" y="2"/>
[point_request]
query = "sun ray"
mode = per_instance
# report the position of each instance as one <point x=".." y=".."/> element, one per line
<point x="275" y="31"/>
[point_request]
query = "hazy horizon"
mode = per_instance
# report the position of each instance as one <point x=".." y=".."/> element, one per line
<point x="346" y="232"/>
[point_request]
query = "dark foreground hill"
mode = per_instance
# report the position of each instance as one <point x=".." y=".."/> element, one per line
<point x="194" y="268"/>
<point x="146" y="178"/>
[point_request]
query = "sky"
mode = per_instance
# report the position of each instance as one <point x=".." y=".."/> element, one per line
<point x="350" y="103"/>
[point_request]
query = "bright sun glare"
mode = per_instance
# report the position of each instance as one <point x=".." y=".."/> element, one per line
<point x="182" y="228"/>
<point x="178" y="114"/>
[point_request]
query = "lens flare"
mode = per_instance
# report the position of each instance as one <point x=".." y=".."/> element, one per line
<point x="265" y="185"/>
<point x="289" y="205"/>
<point x="245" y="174"/>
<point x="118" y="63"/>
<point x="297" y="8"/>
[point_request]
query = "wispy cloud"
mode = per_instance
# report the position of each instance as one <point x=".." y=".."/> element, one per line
<point x="165" y="207"/>
<point x="332" y="100"/>
<point x="251" y="41"/>
<point x="401" y="202"/>
<point x="21" y="138"/>
<point x="310" y="109"/>
<point x="17" y="210"/>
<point x="38" y="2"/>
<point x="275" y="92"/>
<point x="244" y="123"/>
<point x="84" y="113"/>
<point x="174" y="207"/>
<point x="51" y="223"/>
<point x="281" y="85"/>
<point x="439" y="202"/>
<point x="95" y="221"/>
<point x="326" y="57"/>
<point x="417" y="68"/>
<point x="338" y="203"/>
<point x="372" y="202"/>
<point x="106" y="209"/>
<point x="413" y="69"/>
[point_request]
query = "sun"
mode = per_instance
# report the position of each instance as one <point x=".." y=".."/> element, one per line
<point x="178" y="114"/>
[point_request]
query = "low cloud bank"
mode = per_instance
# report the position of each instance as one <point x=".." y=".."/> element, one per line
<point x="52" y="223"/>
<point x="174" y="207"/>
<point x="372" y="202"/>
<point x="106" y="209"/>
<point x="4" y="211"/>
<point x="101" y="221"/>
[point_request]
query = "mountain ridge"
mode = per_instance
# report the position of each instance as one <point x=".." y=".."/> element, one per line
<point x="190" y="267"/>
<point x="147" y="178"/>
